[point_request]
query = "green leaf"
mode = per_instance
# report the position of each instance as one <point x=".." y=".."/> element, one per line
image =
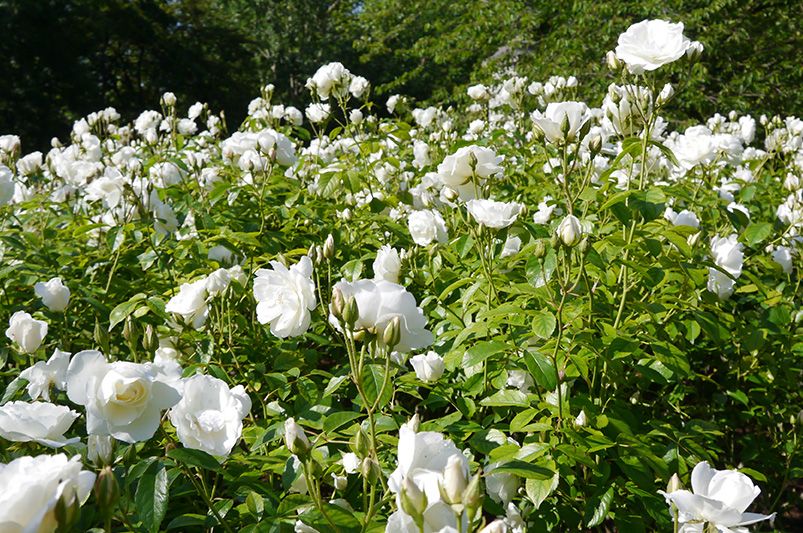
<point x="509" y="397"/>
<point x="151" y="498"/>
<point x="372" y="377"/>
<point x="12" y="389"/>
<point x="757" y="232"/>
<point x="525" y="470"/>
<point x="602" y="508"/>
<point x="121" y="311"/>
<point x="544" y="324"/>
<point x="539" y="490"/>
<point x="541" y="369"/>
<point x="482" y="351"/>
<point x="197" y="458"/>
<point x="338" y="420"/>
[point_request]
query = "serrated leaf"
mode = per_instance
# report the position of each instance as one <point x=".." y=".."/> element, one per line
<point x="541" y="369"/>
<point x="601" y="509"/>
<point x="197" y="458"/>
<point x="482" y="351"/>
<point x="509" y="397"/>
<point x="544" y="324"/>
<point x="337" y="420"/>
<point x="525" y="470"/>
<point x="757" y="232"/>
<point x="373" y="376"/>
<point x="12" y="389"/>
<point x="151" y="498"/>
<point x="539" y="490"/>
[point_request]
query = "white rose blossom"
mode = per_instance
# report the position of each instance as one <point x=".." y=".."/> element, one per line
<point x="426" y="226"/>
<point x="43" y="374"/>
<point x="719" y="498"/>
<point x="210" y="415"/>
<point x="492" y="214"/>
<point x="387" y="264"/>
<point x="30" y="488"/>
<point x="54" y="294"/>
<point x="40" y="422"/>
<point x="650" y="44"/>
<point x="428" y="367"/>
<point x="285" y="297"/>
<point x="122" y="399"/>
<point x="26" y="331"/>
<point x="727" y="254"/>
<point x="378" y="302"/>
<point x="562" y="121"/>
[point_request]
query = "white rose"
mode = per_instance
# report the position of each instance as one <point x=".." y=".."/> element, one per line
<point x="422" y="460"/>
<point x="54" y="294"/>
<point x="478" y="92"/>
<point x="783" y="256"/>
<point x="387" y="264"/>
<point x="43" y="374"/>
<point x="727" y="254"/>
<point x="358" y="86"/>
<point x="40" y="422"/>
<point x="455" y="171"/>
<point x="7" y="186"/>
<point x="26" y="331"/>
<point x="496" y="215"/>
<point x="684" y="218"/>
<point x="30" y="163"/>
<point x="426" y="226"/>
<point x="500" y="486"/>
<point x="317" y="113"/>
<point x="217" y="282"/>
<point x="511" y="247"/>
<point x="650" y="44"/>
<point x="570" y="230"/>
<point x="562" y="121"/>
<point x="378" y="302"/>
<point x="210" y="415"/>
<point x="30" y="488"/>
<point x="428" y="367"/>
<point x="124" y="400"/>
<point x="190" y="303"/>
<point x="285" y="297"/>
<point x="720" y="498"/>
<point x="351" y="463"/>
<point x="332" y="79"/>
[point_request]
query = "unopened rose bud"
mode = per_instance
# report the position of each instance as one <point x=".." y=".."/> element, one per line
<point x="312" y="253"/>
<point x="666" y="93"/>
<point x="454" y="481"/>
<point x="370" y="470"/>
<point x="472" y="161"/>
<point x="694" y="51"/>
<point x="337" y="304"/>
<point x="539" y="250"/>
<point x="107" y="490"/>
<point x="584" y="244"/>
<point x="595" y="144"/>
<point x="350" y="311"/>
<point x="329" y="247"/>
<point x="150" y="340"/>
<point x="392" y="334"/>
<point x="674" y="484"/>
<point x="360" y="443"/>
<point x="101" y="337"/>
<point x="295" y="439"/>
<point x="612" y="61"/>
<point x="581" y="419"/>
<point x="413" y="500"/>
<point x="68" y="509"/>
<point x="100" y="449"/>
<point x="130" y="333"/>
<point x="340" y="482"/>
<point x="472" y="497"/>
<point x="169" y="99"/>
<point x="570" y="231"/>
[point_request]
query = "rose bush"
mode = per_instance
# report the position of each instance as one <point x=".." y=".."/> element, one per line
<point x="531" y="313"/>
